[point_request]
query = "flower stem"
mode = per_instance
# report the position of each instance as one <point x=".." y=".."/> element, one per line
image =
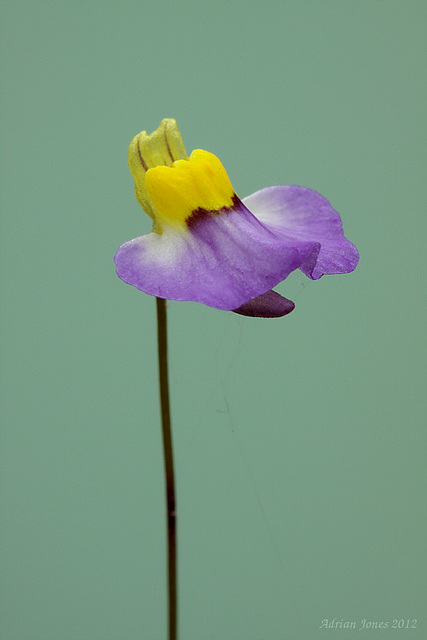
<point x="169" y="467"/>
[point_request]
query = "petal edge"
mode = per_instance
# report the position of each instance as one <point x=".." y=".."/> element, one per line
<point x="301" y="214"/>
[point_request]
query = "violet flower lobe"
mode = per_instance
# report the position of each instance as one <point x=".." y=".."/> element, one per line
<point x="209" y="246"/>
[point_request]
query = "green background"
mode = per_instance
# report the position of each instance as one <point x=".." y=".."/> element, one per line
<point x="299" y="442"/>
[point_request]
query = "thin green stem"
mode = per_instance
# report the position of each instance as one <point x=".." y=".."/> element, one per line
<point x="169" y="467"/>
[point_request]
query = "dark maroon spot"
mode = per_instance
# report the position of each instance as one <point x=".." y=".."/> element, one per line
<point x="197" y="216"/>
<point x="201" y="214"/>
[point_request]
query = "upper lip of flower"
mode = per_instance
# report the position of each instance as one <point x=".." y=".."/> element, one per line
<point x="209" y="246"/>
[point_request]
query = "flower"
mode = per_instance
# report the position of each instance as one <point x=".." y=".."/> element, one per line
<point x="209" y="246"/>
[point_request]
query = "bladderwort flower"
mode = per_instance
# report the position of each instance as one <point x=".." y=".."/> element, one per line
<point x="209" y="246"/>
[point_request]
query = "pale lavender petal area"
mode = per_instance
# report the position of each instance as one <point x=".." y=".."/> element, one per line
<point x="301" y="214"/>
<point x="267" y="305"/>
<point x="223" y="260"/>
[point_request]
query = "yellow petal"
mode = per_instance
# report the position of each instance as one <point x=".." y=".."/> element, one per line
<point x="189" y="187"/>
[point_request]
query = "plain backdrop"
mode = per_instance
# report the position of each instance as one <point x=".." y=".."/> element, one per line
<point x="299" y="442"/>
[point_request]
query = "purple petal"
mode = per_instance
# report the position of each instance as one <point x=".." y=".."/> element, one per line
<point x="223" y="260"/>
<point x="301" y="214"/>
<point x="267" y="305"/>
